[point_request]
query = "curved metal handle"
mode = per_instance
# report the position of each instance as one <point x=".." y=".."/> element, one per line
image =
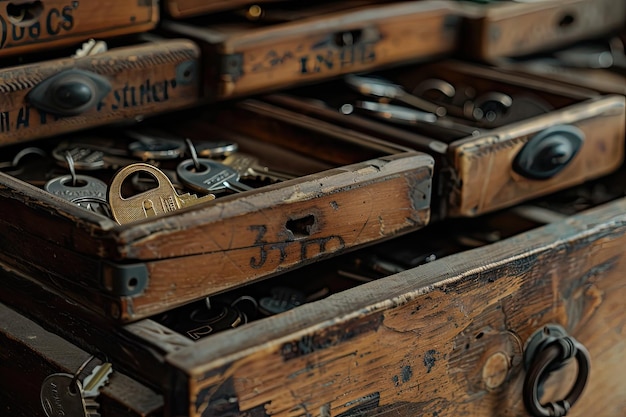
<point x="550" y="354"/>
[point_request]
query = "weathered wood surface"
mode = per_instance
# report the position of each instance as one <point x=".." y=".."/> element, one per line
<point x="65" y="22"/>
<point x="145" y="79"/>
<point x="513" y="29"/>
<point x="444" y="339"/>
<point x="243" y="62"/>
<point x="29" y="354"/>
<point x="187" y="8"/>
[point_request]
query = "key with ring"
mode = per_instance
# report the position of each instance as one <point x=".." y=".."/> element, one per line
<point x="156" y="201"/>
<point x="205" y="175"/>
<point x="60" y="395"/>
<point x="249" y="167"/>
<point x="83" y="190"/>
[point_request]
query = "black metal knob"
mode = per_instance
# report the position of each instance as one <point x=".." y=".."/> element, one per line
<point x="548" y="152"/>
<point x="69" y="93"/>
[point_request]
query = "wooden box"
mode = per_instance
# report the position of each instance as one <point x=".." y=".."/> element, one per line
<point x="351" y="191"/>
<point x="317" y="42"/>
<point x="510" y="28"/>
<point x="121" y="85"/>
<point x="37" y="26"/>
<point x="447" y="337"/>
<point x="30" y="354"/>
<point x="478" y="171"/>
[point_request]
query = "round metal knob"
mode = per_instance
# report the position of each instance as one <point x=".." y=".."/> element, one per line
<point x="72" y="94"/>
<point x="548" y="152"/>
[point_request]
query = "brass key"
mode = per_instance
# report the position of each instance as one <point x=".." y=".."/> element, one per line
<point x="150" y="203"/>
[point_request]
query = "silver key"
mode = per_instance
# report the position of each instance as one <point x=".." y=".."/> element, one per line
<point x="98" y="378"/>
<point x="70" y="188"/>
<point x="153" y="147"/>
<point x="61" y="396"/>
<point x="84" y="157"/>
<point x="209" y="176"/>
<point x="248" y="166"/>
<point x="216" y="149"/>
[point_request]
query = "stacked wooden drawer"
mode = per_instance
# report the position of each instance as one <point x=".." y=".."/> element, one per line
<point x="407" y="261"/>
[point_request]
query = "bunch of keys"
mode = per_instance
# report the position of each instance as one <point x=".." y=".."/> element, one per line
<point x="64" y="394"/>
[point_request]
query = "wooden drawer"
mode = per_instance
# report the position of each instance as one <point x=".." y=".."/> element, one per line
<point x="508" y="28"/>
<point x="317" y="42"/>
<point x="133" y="270"/>
<point x="30" y="354"/>
<point x="477" y="169"/>
<point x="117" y="86"/>
<point x="37" y="26"/>
<point x="446" y="337"/>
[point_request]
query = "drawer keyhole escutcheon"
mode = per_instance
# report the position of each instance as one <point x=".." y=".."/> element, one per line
<point x="547" y="350"/>
<point x="548" y="152"/>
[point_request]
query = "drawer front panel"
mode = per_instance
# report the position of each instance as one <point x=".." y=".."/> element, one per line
<point x="519" y="29"/>
<point x="39" y="25"/>
<point x="187" y="8"/>
<point x="137" y="81"/>
<point x="486" y="165"/>
<point x="258" y="59"/>
<point x="446" y="338"/>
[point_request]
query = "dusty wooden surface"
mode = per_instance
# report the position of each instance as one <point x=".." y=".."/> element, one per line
<point x="29" y="354"/>
<point x="515" y="29"/>
<point x="485" y="165"/>
<point x="65" y="22"/>
<point x="444" y="339"/>
<point x="145" y="79"/>
<point x="308" y="50"/>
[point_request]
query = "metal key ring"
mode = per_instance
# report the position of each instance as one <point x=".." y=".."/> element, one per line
<point x="551" y="357"/>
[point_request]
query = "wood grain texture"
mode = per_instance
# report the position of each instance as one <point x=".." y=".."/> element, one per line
<point x="485" y="165"/>
<point x="307" y="50"/>
<point x="66" y="22"/>
<point x="145" y="79"/>
<point x="29" y="354"/>
<point x="443" y="339"/>
<point x="516" y="29"/>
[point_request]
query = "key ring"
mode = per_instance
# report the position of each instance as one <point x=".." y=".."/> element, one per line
<point x="81" y="368"/>
<point x="70" y="165"/>
<point x="194" y="154"/>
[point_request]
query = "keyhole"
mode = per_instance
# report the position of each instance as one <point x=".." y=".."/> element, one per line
<point x="348" y="38"/>
<point x="566" y="20"/>
<point x="24" y="14"/>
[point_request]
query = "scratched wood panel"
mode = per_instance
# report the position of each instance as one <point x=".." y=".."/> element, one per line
<point x="145" y="79"/>
<point x="248" y="60"/>
<point x="514" y="29"/>
<point x="29" y="354"/>
<point x="236" y="239"/>
<point x="27" y="26"/>
<point x="443" y="339"/>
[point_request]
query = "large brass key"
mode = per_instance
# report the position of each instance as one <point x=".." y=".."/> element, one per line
<point x="156" y="201"/>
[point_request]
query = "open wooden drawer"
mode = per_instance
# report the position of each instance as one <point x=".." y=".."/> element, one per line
<point x="295" y="45"/>
<point x="131" y="80"/>
<point x="449" y="336"/>
<point x="544" y="136"/>
<point x="353" y="190"/>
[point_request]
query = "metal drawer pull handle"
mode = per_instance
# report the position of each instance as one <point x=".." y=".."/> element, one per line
<point x="548" y="350"/>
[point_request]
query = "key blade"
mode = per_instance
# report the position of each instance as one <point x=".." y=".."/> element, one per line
<point x="96" y="380"/>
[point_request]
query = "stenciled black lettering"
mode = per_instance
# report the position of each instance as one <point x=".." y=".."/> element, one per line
<point x="23" y="118"/>
<point x="259" y="241"/>
<point x="327" y="61"/>
<point x="68" y="18"/>
<point x="5" y="122"/>
<point x="118" y="99"/>
<point x="346" y="57"/>
<point x="52" y="29"/>
<point x="145" y="91"/>
<point x="304" y="65"/>
<point x="18" y="33"/>
<point x="321" y="243"/>
<point x="34" y="30"/>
